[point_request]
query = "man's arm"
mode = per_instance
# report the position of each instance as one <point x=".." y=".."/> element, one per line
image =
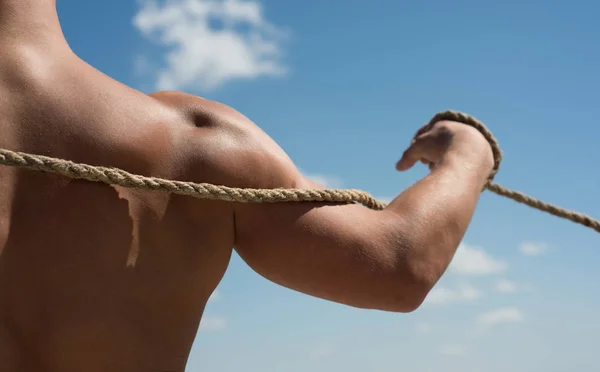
<point x="386" y="260"/>
<point x="345" y="253"/>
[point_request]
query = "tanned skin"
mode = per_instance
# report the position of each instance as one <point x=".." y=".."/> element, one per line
<point x="101" y="278"/>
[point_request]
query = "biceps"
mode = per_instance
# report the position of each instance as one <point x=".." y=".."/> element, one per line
<point x="342" y="253"/>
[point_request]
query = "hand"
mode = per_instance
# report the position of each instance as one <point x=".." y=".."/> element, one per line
<point x="445" y="137"/>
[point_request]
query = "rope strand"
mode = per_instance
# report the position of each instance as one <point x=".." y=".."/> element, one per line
<point x="114" y="176"/>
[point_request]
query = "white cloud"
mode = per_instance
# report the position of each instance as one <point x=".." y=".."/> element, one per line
<point x="500" y="316"/>
<point x="329" y="181"/>
<point x="210" y="42"/>
<point x="505" y="286"/>
<point x="215" y="296"/>
<point x="532" y="248"/>
<point x="212" y="324"/>
<point x="470" y="260"/>
<point x="453" y="350"/>
<point x="444" y="296"/>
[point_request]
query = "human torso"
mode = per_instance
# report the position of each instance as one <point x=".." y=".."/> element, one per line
<point x="95" y="277"/>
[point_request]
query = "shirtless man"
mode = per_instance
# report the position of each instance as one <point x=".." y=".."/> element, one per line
<point x="101" y="278"/>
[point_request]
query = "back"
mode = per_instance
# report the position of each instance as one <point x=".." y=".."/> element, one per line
<point x="112" y="276"/>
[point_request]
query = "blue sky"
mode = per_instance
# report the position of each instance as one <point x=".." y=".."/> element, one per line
<point x="342" y="86"/>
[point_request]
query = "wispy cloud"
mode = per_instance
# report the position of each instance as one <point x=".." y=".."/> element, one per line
<point x="533" y="248"/>
<point x="328" y="181"/>
<point x="500" y="316"/>
<point x="209" y="42"/>
<point x="505" y="286"/>
<point x="215" y="296"/>
<point x="444" y="295"/>
<point x="470" y="260"/>
<point x="212" y="323"/>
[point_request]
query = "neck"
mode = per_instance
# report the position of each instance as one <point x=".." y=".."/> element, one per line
<point x="29" y="20"/>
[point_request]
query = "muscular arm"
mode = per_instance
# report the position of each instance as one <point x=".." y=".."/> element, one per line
<point x="386" y="260"/>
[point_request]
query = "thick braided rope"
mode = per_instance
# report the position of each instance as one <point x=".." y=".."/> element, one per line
<point x="114" y="176"/>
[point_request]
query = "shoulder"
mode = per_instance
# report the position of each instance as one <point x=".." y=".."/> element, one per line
<point x="220" y="145"/>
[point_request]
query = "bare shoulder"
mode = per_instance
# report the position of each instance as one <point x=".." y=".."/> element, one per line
<point x="220" y="145"/>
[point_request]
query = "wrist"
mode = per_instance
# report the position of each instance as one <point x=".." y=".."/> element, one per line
<point x="472" y="144"/>
<point x="478" y="160"/>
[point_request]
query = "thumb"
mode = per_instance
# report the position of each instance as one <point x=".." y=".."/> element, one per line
<point x="407" y="161"/>
<point x="410" y="156"/>
<point x="416" y="152"/>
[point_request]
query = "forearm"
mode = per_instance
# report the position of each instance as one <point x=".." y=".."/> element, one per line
<point x="435" y="214"/>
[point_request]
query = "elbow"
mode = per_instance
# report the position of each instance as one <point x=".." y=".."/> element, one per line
<point x="410" y="284"/>
<point x="400" y="293"/>
<point x="409" y="268"/>
<point x="420" y="286"/>
<point x="415" y="266"/>
<point x="409" y="294"/>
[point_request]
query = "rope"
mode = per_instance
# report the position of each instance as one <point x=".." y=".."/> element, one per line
<point x="114" y="176"/>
